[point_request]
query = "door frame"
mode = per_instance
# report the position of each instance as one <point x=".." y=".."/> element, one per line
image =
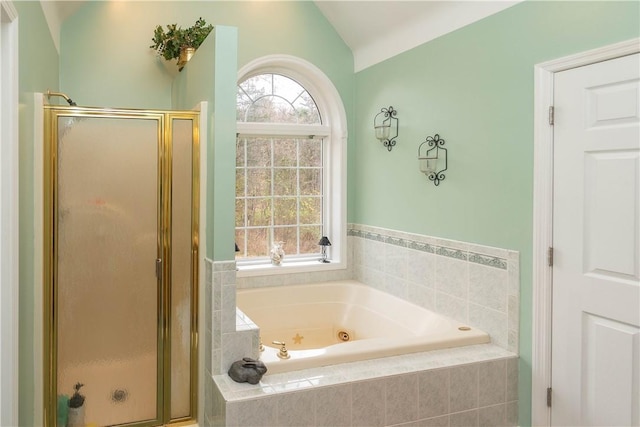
<point x="542" y="325"/>
<point x="9" y="249"/>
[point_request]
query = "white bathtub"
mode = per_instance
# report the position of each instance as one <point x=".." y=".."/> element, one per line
<point x="309" y="318"/>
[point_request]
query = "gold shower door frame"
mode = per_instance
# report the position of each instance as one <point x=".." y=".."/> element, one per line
<point x="165" y="121"/>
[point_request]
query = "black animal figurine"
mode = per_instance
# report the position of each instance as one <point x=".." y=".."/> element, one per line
<point x="247" y="370"/>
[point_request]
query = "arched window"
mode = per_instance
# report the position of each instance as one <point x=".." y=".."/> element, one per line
<point x="273" y="98"/>
<point x="289" y="164"/>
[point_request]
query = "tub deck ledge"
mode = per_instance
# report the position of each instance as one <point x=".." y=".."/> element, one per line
<point x="358" y="371"/>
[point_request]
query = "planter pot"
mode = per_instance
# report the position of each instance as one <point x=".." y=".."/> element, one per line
<point x="76" y="417"/>
<point x="185" y="55"/>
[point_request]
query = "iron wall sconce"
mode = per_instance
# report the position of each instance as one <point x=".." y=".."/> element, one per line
<point x="385" y="124"/>
<point x="324" y="242"/>
<point x="433" y="159"/>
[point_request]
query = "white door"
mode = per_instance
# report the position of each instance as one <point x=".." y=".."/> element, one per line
<point x="596" y="238"/>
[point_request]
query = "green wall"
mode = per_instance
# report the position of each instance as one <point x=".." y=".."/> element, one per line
<point x="38" y="71"/>
<point x="473" y="87"/>
<point x="105" y="60"/>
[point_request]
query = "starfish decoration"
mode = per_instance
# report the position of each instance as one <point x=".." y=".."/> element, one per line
<point x="297" y="339"/>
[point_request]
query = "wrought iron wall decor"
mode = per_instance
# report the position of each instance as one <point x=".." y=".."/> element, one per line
<point x="385" y="124"/>
<point x="433" y="159"/>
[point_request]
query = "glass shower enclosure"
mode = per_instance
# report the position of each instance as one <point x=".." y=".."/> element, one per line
<point x="121" y="266"/>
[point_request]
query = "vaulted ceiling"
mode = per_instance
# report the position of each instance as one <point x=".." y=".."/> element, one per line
<point x="378" y="30"/>
<point x="373" y="30"/>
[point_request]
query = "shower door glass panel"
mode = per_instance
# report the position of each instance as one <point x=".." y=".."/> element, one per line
<point x="182" y="228"/>
<point x="107" y="217"/>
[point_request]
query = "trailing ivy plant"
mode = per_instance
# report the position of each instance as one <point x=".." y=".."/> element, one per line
<point x="168" y="44"/>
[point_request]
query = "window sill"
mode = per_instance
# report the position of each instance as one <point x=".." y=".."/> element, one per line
<point x="288" y="268"/>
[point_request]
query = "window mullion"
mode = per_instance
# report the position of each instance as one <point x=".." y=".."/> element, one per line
<point x="298" y="194"/>
<point x="273" y="85"/>
<point x="273" y="199"/>
<point x="323" y="189"/>
<point x="246" y="195"/>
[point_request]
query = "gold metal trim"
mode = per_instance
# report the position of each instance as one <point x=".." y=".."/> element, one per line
<point x="166" y="256"/>
<point x="164" y="119"/>
<point x="194" y="271"/>
<point x="195" y="261"/>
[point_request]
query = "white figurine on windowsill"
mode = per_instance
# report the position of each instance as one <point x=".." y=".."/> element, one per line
<point x="277" y="253"/>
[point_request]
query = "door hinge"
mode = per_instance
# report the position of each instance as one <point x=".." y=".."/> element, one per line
<point x="158" y="268"/>
<point x="551" y="115"/>
<point x="549" y="397"/>
<point x="550" y="257"/>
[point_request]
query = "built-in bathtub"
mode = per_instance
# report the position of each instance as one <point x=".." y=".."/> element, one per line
<point x="338" y="322"/>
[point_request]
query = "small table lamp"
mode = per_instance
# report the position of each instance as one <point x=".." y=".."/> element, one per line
<point x="324" y="242"/>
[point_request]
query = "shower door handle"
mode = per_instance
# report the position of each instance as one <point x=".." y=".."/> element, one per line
<point x="159" y="268"/>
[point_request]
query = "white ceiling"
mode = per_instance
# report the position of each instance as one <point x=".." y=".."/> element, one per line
<point x="378" y="30"/>
<point x="374" y="30"/>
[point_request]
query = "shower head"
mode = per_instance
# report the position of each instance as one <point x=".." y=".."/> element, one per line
<point x="70" y="101"/>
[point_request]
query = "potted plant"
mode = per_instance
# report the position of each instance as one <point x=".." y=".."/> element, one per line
<point x="178" y="43"/>
<point x="76" y="408"/>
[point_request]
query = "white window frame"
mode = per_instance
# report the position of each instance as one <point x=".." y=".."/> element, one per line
<point x="334" y="129"/>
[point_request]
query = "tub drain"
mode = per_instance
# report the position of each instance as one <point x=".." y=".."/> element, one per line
<point x="464" y="328"/>
<point x="343" y="336"/>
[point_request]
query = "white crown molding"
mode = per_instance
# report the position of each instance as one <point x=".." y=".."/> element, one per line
<point x="9" y="12"/>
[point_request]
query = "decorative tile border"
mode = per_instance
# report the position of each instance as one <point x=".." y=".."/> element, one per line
<point x="488" y="260"/>
<point x="452" y="253"/>
<point x="423" y="247"/>
<point x="412" y="241"/>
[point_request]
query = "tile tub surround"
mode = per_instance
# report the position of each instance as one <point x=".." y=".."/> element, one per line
<point x="474" y="284"/>
<point x="229" y="335"/>
<point x="234" y="336"/>
<point x="474" y="386"/>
